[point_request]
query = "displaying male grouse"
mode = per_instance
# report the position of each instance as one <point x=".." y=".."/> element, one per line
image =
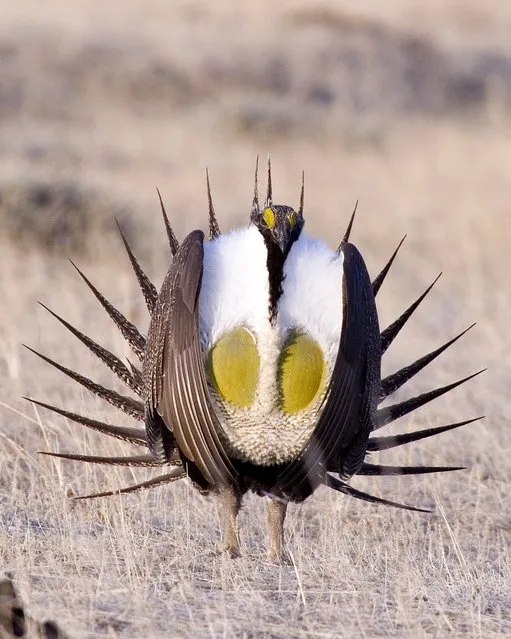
<point x="261" y="368"/>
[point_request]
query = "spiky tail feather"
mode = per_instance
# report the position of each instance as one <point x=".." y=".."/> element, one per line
<point x="389" y="414"/>
<point x="343" y="487"/>
<point x="174" y="475"/>
<point x="393" y="382"/>
<point x="129" y="331"/>
<point x="108" y="358"/>
<point x="146" y="286"/>
<point x="380" y="278"/>
<point x="141" y="461"/>
<point x="393" y="441"/>
<point x="132" y="435"/>
<point x="173" y="243"/>
<point x="128" y="405"/>
<point x="391" y="332"/>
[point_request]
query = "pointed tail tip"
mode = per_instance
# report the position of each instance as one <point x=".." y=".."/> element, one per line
<point x="343" y="487"/>
<point x="302" y="195"/>
<point x="395" y="381"/>
<point x="368" y="469"/>
<point x="172" y="239"/>
<point x="269" y="187"/>
<point x="388" y="414"/>
<point x="380" y="278"/>
<point x="29" y="349"/>
<point x="350" y="225"/>
<point x="119" y="228"/>
<point x="347" y="234"/>
<point x="393" y="441"/>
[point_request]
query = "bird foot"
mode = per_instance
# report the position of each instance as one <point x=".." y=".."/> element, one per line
<point x="278" y="556"/>
<point x="230" y="549"/>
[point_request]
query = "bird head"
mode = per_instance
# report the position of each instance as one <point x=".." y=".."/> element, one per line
<point x="280" y="225"/>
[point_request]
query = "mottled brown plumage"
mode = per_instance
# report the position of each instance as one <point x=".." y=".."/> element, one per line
<point x="175" y="384"/>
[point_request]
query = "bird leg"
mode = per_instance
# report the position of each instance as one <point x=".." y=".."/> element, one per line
<point x="276" y="514"/>
<point x="231" y="504"/>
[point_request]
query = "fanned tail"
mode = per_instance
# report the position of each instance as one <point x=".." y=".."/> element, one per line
<point x="388" y="414"/>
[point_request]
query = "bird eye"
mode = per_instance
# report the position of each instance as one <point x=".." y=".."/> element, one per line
<point x="292" y="219"/>
<point x="269" y="217"/>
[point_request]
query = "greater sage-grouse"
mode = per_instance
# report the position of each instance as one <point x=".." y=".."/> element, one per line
<point x="260" y="370"/>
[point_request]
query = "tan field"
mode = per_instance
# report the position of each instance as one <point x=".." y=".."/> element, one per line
<point x="403" y="106"/>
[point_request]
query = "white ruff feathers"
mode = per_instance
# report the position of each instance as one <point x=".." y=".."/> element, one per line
<point x="235" y="289"/>
<point x="234" y="293"/>
<point x="312" y="297"/>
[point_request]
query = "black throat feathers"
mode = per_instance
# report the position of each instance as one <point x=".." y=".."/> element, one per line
<point x="275" y="264"/>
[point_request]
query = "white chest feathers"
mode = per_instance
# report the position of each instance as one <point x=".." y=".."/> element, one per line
<point x="311" y="301"/>
<point x="268" y="377"/>
<point x="235" y="289"/>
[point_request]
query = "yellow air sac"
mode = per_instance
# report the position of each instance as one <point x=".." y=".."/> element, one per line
<point x="302" y="373"/>
<point x="234" y="367"/>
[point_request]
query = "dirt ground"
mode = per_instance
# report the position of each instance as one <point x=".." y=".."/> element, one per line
<point x="403" y="106"/>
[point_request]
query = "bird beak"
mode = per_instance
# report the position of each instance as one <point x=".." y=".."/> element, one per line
<point x="281" y="236"/>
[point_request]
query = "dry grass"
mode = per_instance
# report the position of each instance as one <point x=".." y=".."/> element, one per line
<point x="119" y="101"/>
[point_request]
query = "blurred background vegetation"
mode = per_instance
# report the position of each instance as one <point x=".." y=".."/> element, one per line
<point x="402" y="105"/>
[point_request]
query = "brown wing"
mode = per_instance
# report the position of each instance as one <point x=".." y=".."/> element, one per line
<point x="177" y="396"/>
<point x="339" y="441"/>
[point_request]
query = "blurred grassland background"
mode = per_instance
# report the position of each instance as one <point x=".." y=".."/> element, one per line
<point x="403" y="106"/>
